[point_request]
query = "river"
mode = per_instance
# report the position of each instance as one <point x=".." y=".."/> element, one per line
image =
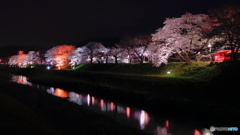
<point x="122" y="113"/>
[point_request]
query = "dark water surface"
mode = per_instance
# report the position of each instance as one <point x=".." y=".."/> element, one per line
<point x="122" y="113"/>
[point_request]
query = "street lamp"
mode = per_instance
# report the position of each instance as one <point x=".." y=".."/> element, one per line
<point x="210" y="50"/>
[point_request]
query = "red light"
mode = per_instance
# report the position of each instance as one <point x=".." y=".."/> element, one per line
<point x="196" y="132"/>
<point x="20" y="52"/>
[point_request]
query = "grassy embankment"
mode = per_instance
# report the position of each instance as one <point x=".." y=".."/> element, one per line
<point x="197" y="90"/>
<point x="28" y="111"/>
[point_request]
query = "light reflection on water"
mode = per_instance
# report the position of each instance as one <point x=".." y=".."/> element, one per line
<point x="132" y="116"/>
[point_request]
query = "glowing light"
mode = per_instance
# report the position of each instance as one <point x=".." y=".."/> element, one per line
<point x="167" y="123"/>
<point x="48" y="67"/>
<point x="88" y="99"/>
<point x="169" y="72"/>
<point x="143" y="119"/>
<point x="103" y="108"/>
<point x="50" y="90"/>
<point x="60" y="93"/>
<point x="206" y="132"/>
<point x="128" y="112"/>
<point x="93" y="100"/>
<point x="101" y="103"/>
<point x="112" y="106"/>
<point x="20" y="52"/>
<point x="196" y="132"/>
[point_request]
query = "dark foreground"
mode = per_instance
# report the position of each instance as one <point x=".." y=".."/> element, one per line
<point x="213" y="103"/>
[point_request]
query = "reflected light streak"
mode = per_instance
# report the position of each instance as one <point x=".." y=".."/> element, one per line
<point x="120" y="109"/>
<point x="50" y="90"/>
<point x="196" y="132"/>
<point x="74" y="97"/>
<point x="88" y="99"/>
<point x="161" y="131"/>
<point x="128" y="112"/>
<point x="21" y="80"/>
<point x="167" y="123"/>
<point x="60" y="93"/>
<point x="143" y="119"/>
<point x="103" y="108"/>
<point x="93" y="101"/>
<point x="112" y="106"/>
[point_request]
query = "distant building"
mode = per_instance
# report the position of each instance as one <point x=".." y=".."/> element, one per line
<point x="222" y="55"/>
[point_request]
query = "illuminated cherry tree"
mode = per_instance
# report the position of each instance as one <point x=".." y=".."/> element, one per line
<point x="135" y="46"/>
<point x="18" y="60"/>
<point x="94" y="51"/>
<point x="183" y="36"/>
<point x="33" y="58"/>
<point x="77" y="57"/>
<point x="59" y="55"/>
<point x="13" y="60"/>
<point x="117" y="54"/>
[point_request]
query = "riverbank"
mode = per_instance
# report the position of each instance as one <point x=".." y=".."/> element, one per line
<point x="27" y="111"/>
<point x="194" y="93"/>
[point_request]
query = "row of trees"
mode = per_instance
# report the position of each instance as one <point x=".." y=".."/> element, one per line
<point x="187" y="38"/>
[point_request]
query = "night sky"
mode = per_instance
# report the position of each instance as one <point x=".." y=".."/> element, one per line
<point x="57" y="22"/>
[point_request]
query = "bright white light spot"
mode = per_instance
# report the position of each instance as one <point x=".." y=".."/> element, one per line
<point x="168" y="72"/>
<point x="48" y="67"/>
<point x="88" y="99"/>
<point x="206" y="132"/>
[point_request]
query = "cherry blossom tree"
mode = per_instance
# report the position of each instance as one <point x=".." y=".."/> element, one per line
<point x="18" y="60"/>
<point x="183" y="36"/>
<point x="226" y="25"/>
<point x="33" y="58"/>
<point x="13" y="60"/>
<point x="58" y="55"/>
<point x="136" y="46"/>
<point x="77" y="57"/>
<point x="117" y="53"/>
<point x="94" y="51"/>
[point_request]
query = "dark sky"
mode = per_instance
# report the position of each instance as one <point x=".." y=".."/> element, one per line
<point x="56" y="22"/>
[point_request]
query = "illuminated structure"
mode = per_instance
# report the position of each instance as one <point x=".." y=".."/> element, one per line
<point x="222" y="55"/>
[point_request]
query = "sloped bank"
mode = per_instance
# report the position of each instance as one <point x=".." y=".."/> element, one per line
<point x="188" y="97"/>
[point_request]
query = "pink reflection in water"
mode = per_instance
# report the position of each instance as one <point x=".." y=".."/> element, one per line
<point x="93" y="101"/>
<point x="196" y="132"/>
<point x="128" y="112"/>
<point x="112" y="106"/>
<point x="21" y="80"/>
<point x="103" y="108"/>
<point x="161" y="131"/>
<point x="167" y="124"/>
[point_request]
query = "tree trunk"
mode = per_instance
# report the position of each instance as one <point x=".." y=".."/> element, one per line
<point x="116" y="62"/>
<point x="91" y="60"/>
<point x="106" y="60"/>
<point x="141" y="60"/>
